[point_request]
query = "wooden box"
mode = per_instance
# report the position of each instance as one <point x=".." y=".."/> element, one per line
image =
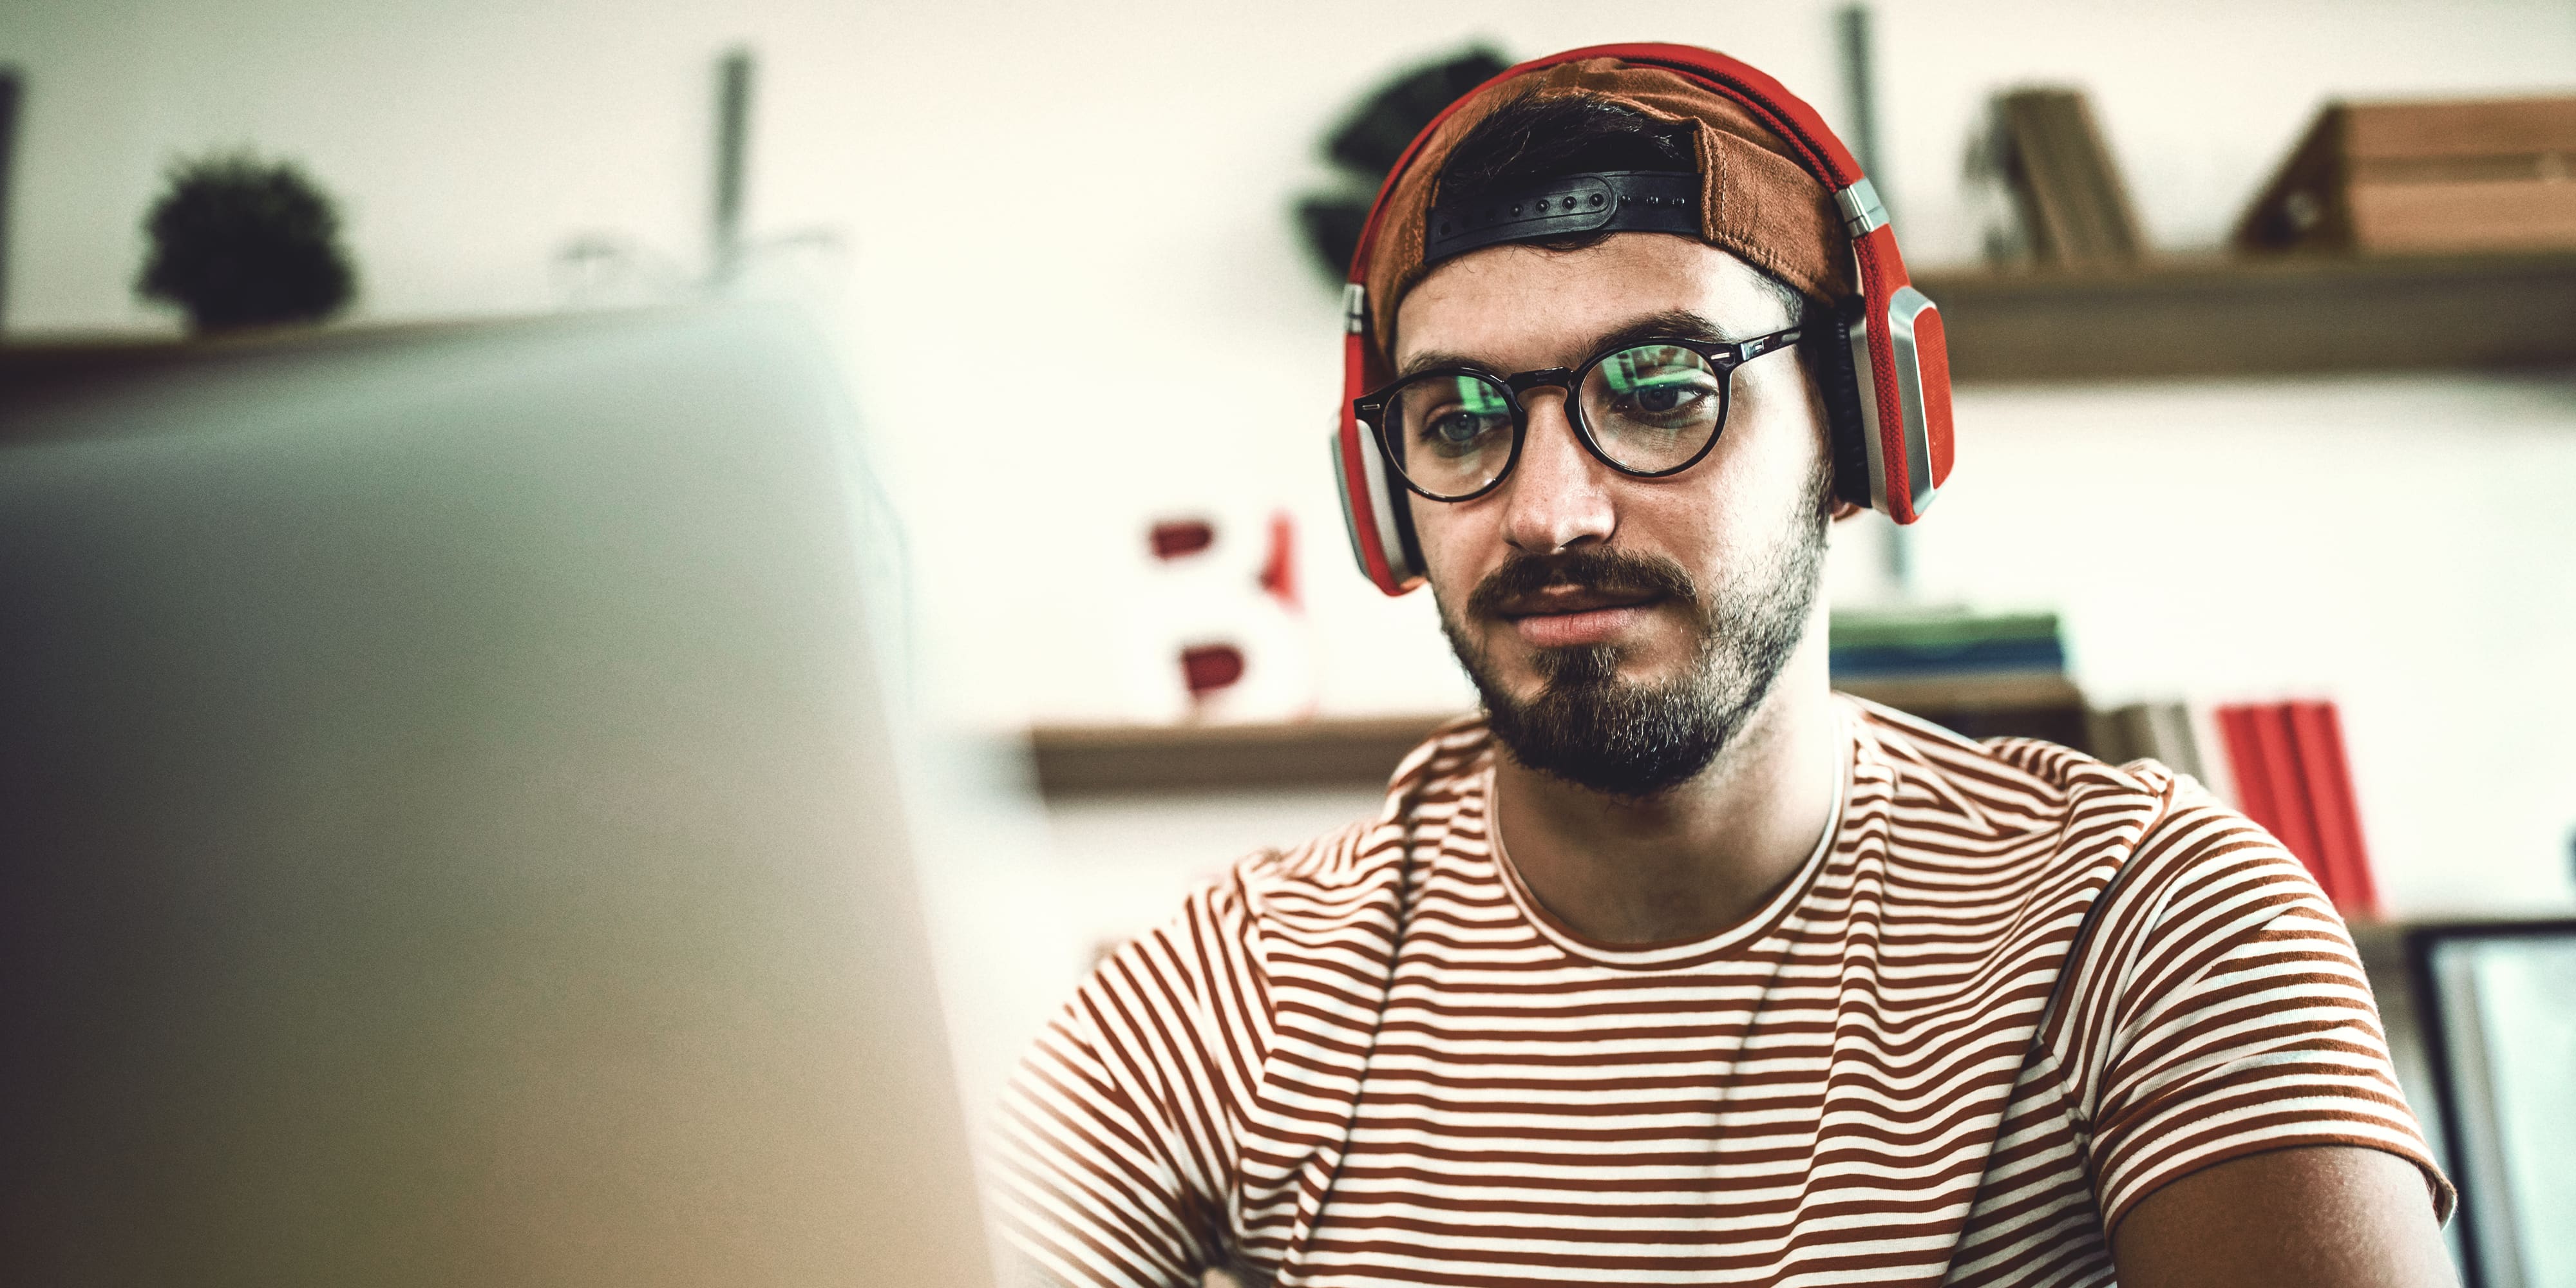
<point x="2400" y="178"/>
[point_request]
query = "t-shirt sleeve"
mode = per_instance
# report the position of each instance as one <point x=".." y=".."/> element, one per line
<point x="2242" y="1022"/>
<point x="1112" y="1147"/>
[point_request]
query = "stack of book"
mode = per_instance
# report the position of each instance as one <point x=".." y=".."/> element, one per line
<point x="2004" y="675"/>
<point x="2287" y="760"/>
<point x="1983" y="675"/>
<point x="2282" y="763"/>
<point x="1944" y="641"/>
<point x="2074" y="209"/>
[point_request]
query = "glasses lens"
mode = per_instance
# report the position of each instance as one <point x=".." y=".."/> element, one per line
<point x="1452" y="435"/>
<point x="1655" y="407"/>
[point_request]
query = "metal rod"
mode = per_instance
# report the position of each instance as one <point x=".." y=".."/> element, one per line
<point x="1853" y="37"/>
<point x="733" y="146"/>
<point x="10" y="91"/>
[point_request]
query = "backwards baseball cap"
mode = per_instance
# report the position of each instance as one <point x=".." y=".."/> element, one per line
<point x="1749" y="197"/>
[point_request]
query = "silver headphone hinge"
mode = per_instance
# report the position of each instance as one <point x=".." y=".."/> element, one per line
<point x="1354" y="308"/>
<point x="1863" y="212"/>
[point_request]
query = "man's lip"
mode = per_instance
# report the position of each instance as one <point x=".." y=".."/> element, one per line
<point x="1579" y="628"/>
<point x="1555" y="603"/>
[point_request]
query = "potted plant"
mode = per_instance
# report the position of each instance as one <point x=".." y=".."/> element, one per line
<point x="241" y="242"/>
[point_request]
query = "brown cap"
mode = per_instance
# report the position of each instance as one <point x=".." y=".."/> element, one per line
<point x="1756" y="201"/>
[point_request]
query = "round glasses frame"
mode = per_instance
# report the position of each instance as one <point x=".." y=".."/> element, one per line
<point x="1723" y="356"/>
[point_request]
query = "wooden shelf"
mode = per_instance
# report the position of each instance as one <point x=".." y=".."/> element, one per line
<point x="1142" y="759"/>
<point x="2275" y="316"/>
<point x="37" y="370"/>
<point x="2281" y="315"/>
<point x="1090" y="760"/>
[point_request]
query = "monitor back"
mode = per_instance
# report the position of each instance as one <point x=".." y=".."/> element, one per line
<point x="448" y="828"/>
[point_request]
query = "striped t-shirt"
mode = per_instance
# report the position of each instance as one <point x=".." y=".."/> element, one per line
<point x="1376" y="1060"/>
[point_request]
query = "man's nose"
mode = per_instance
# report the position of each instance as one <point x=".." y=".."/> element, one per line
<point x="1558" y="496"/>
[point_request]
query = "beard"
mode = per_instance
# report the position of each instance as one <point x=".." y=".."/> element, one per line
<point x="1623" y="738"/>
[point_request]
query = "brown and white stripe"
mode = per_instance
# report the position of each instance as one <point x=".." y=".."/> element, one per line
<point x="1374" y="1060"/>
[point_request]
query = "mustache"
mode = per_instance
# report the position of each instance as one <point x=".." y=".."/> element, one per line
<point x="1608" y="571"/>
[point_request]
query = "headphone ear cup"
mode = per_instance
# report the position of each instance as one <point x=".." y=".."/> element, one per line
<point x="1846" y="426"/>
<point x="1352" y="508"/>
<point x="1374" y="514"/>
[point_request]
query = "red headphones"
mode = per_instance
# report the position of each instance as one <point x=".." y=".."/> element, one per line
<point x="1888" y="364"/>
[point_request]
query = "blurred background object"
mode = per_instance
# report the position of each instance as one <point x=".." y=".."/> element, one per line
<point x="2428" y="177"/>
<point x="2286" y="762"/>
<point x="241" y="242"/>
<point x="1226" y="609"/>
<point x="1986" y="675"/>
<point x="2500" y="1024"/>
<point x="10" y="89"/>
<point x="2045" y="149"/>
<point x="1855" y="41"/>
<point x="454" y="824"/>
<point x="1371" y="138"/>
<point x="733" y="156"/>
<point x="607" y="270"/>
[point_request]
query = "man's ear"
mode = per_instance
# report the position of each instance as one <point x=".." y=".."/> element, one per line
<point x="1844" y="510"/>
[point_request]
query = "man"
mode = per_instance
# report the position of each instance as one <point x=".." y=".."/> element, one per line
<point x="1677" y="967"/>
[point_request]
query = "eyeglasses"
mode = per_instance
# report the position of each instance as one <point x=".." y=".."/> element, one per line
<point x="1650" y="409"/>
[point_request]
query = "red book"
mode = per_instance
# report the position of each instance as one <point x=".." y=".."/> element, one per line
<point x="2253" y="792"/>
<point x="2272" y="790"/>
<point x="2319" y="736"/>
<point x="2298" y="820"/>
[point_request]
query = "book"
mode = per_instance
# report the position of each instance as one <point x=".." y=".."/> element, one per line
<point x="2291" y="777"/>
<point x="1943" y="641"/>
<point x="2458" y="175"/>
<point x="2158" y="731"/>
<point x="2316" y="735"/>
<point x="1983" y="675"/>
<point x="2075" y="209"/>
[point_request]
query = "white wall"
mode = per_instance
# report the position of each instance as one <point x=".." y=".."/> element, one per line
<point x="1072" y="298"/>
<point x="2388" y="542"/>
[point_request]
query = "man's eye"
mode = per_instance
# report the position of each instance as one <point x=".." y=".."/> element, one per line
<point x="1458" y="429"/>
<point x="1659" y="383"/>
<point x="1668" y="393"/>
<point x="1454" y="416"/>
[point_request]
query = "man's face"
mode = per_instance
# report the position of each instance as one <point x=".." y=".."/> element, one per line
<point x="1621" y="629"/>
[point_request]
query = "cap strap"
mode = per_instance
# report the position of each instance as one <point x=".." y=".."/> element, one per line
<point x="1612" y="201"/>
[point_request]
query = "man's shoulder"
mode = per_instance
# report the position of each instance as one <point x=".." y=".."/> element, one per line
<point x="1349" y="874"/>
<point x="2011" y="791"/>
<point x="2010" y="779"/>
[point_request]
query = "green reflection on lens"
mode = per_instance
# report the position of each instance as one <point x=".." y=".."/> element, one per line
<point x="1480" y="398"/>
<point x="1635" y="370"/>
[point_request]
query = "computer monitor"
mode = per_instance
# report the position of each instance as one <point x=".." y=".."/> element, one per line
<point x="448" y="823"/>
<point x="2498" y="1001"/>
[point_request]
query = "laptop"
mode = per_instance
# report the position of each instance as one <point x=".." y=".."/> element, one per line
<point x="448" y="828"/>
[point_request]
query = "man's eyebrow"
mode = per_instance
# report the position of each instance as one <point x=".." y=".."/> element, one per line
<point x="1677" y="324"/>
<point x="1421" y="362"/>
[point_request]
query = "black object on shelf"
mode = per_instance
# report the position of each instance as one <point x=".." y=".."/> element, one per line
<point x="1369" y="140"/>
<point x="241" y="242"/>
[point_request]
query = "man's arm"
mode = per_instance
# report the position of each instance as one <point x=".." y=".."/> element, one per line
<point x="2248" y="1126"/>
<point x="1113" y="1145"/>
<point x="2328" y="1216"/>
